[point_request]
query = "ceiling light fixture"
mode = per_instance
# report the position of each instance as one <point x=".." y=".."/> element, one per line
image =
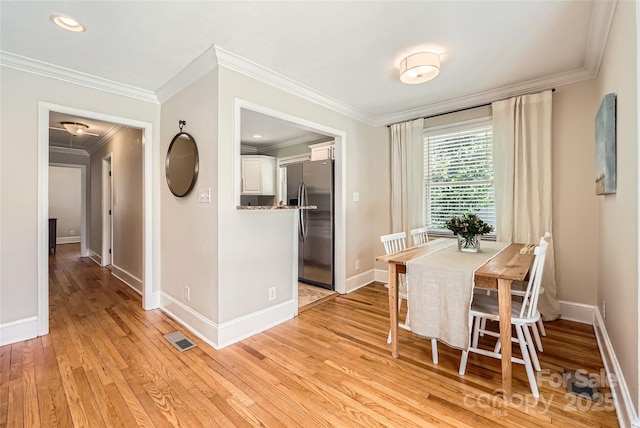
<point x="75" y="128"/>
<point x="419" y="67"/>
<point x="67" y="22"/>
<point x="257" y="136"/>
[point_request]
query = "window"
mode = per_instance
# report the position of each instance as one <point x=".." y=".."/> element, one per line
<point x="458" y="173"/>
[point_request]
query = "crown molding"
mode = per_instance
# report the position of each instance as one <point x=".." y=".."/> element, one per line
<point x="18" y="62"/>
<point x="536" y="85"/>
<point x="601" y="19"/>
<point x="249" y="68"/>
<point x="68" y="150"/>
<point x="111" y="134"/>
<point x="248" y="150"/>
<point x="196" y="69"/>
<point x="303" y="139"/>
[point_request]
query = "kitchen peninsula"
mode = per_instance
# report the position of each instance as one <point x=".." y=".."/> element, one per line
<point x="276" y="207"/>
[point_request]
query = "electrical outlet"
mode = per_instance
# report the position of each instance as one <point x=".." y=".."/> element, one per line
<point x="272" y="293"/>
<point x="187" y="293"/>
<point x="72" y="232"/>
<point x="357" y="264"/>
<point x="604" y="309"/>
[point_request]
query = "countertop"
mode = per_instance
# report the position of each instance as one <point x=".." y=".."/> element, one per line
<point x="276" y="207"/>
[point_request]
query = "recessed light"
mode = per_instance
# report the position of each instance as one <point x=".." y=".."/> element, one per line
<point x="257" y="136"/>
<point x="67" y="22"/>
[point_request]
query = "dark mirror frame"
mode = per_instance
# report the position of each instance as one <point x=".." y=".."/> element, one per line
<point x="193" y="170"/>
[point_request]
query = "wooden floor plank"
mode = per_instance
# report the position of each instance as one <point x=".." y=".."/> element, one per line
<point x="5" y="371"/>
<point x="31" y="409"/>
<point x="106" y="363"/>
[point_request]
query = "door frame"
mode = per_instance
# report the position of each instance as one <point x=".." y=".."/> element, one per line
<point x="83" y="202"/>
<point x="151" y="229"/>
<point x="106" y="207"/>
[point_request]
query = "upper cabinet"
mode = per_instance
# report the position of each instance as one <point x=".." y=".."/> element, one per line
<point x="322" y="151"/>
<point x="258" y="175"/>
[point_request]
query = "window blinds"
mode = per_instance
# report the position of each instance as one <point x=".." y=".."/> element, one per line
<point x="458" y="173"/>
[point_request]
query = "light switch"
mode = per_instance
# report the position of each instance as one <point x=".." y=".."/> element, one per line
<point x="204" y="195"/>
<point x="356" y="196"/>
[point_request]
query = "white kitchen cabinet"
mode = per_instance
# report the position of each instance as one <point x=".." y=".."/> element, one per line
<point x="322" y="151"/>
<point x="258" y="175"/>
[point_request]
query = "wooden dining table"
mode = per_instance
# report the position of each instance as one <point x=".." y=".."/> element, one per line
<point x="511" y="264"/>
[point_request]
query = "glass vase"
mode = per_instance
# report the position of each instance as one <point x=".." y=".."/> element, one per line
<point x="469" y="243"/>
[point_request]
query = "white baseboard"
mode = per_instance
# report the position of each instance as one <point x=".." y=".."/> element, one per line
<point x="17" y="331"/>
<point x="219" y="336"/>
<point x="97" y="258"/>
<point x="625" y="408"/>
<point x="196" y="323"/>
<point x="128" y="278"/>
<point x="381" y="276"/>
<point x="68" y="240"/>
<point x="240" y="328"/>
<point x="577" y="312"/>
<point x="358" y="281"/>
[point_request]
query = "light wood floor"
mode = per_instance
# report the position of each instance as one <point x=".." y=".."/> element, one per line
<point x="105" y="363"/>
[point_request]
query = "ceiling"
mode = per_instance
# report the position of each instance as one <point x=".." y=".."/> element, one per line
<point x="96" y="135"/>
<point x="341" y="54"/>
<point x="273" y="132"/>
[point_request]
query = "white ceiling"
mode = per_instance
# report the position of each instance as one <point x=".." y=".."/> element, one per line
<point x="97" y="134"/>
<point x="273" y="132"/>
<point x="345" y="53"/>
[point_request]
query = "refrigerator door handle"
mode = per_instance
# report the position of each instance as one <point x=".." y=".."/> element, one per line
<point x="300" y="218"/>
<point x="304" y="215"/>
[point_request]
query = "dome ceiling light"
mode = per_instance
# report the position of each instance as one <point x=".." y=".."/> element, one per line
<point x="419" y="67"/>
<point x="75" y="128"/>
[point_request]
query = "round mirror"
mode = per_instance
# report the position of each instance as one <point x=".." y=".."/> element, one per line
<point x="181" y="166"/>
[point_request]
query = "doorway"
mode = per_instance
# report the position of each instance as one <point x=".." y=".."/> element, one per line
<point x="150" y="220"/>
<point x="82" y="208"/>
<point x="339" y="138"/>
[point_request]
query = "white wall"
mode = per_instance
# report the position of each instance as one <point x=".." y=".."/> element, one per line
<point x="127" y="202"/>
<point x="190" y="229"/>
<point x="65" y="202"/>
<point x="19" y="221"/>
<point x="575" y="213"/>
<point x="617" y="225"/>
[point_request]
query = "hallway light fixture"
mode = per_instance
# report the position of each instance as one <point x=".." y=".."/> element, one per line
<point x="75" y="128"/>
<point x="419" y="67"/>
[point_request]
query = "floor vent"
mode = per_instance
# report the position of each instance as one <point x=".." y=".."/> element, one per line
<point x="179" y="341"/>
<point x="583" y="385"/>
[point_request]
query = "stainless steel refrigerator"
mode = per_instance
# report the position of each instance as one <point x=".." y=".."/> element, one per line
<point x="311" y="183"/>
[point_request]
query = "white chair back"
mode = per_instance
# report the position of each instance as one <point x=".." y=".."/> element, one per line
<point x="394" y="242"/>
<point x="530" y="299"/>
<point x="419" y="236"/>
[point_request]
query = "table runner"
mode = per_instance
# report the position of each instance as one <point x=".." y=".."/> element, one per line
<point x="441" y="289"/>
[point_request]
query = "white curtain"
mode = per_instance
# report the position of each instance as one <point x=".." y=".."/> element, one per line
<point x="522" y="180"/>
<point x="407" y="176"/>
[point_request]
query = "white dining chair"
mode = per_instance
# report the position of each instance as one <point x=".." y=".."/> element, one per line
<point x="419" y="236"/>
<point x="393" y="243"/>
<point x="518" y="288"/>
<point x="524" y="314"/>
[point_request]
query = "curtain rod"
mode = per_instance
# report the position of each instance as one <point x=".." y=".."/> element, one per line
<point x="462" y="109"/>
